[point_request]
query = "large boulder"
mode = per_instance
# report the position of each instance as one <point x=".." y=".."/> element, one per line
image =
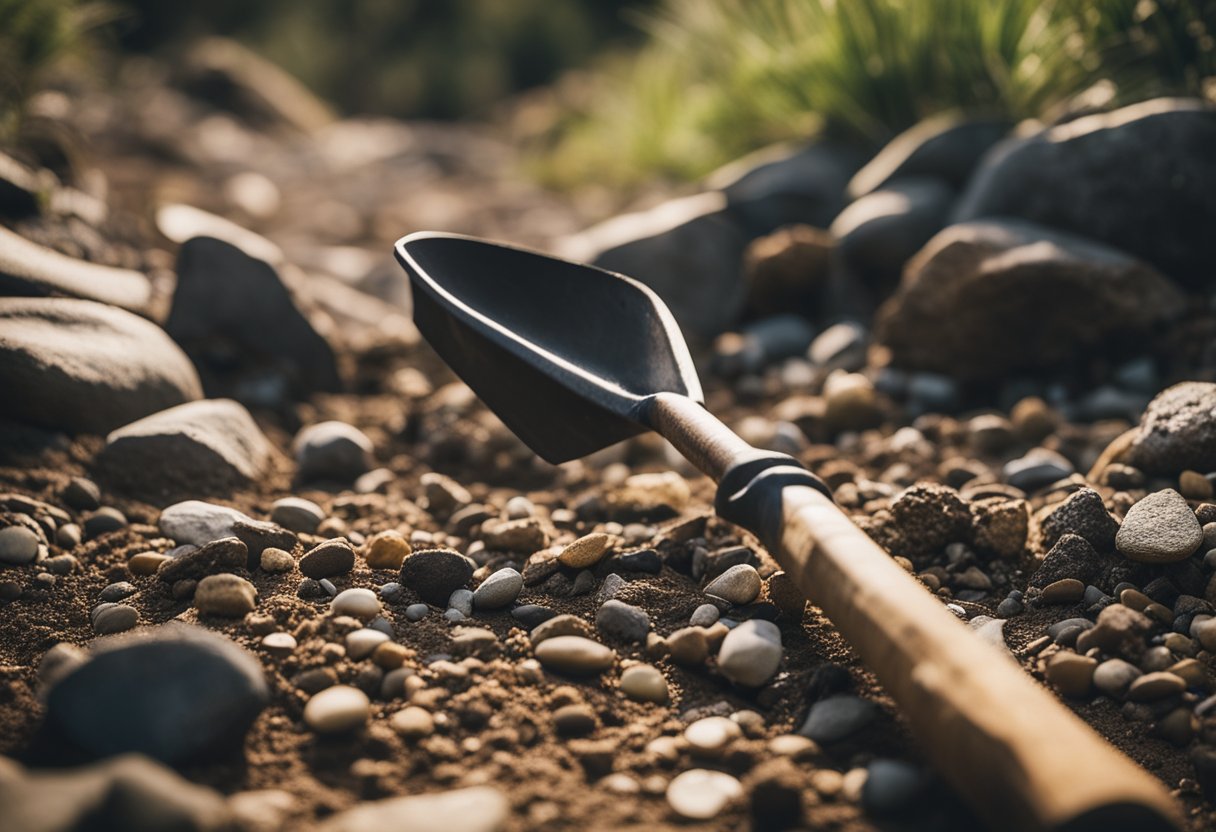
<point x="206" y="446"/>
<point x="946" y="147"/>
<point x="987" y="298"/>
<point x="80" y="366"/>
<point x="1141" y="179"/>
<point x="1178" y="430"/>
<point x="229" y="302"/>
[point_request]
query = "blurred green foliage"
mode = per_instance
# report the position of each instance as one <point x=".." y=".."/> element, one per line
<point x="721" y="77"/>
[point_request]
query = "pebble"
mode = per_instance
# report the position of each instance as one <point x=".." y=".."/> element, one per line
<point x="646" y="560"/>
<point x="611" y="586"/>
<point x="297" y="514"/>
<point x="279" y="644"/>
<point x="587" y="551"/>
<point x="739" y="585"/>
<point x="333" y="557"/>
<point x="783" y="592"/>
<point x="461" y="600"/>
<point x="574" y="655"/>
<point x="1153" y="686"/>
<point x="117" y="591"/>
<point x="1071" y="673"/>
<point x="560" y="625"/>
<point x="1064" y="591"/>
<point x="199" y="523"/>
<point x="224" y="555"/>
<point x="363" y="642"/>
<point x="837" y="717"/>
<point x="337" y="709"/>
<point x="105" y="519"/>
<point x="498" y="590"/>
<point x="416" y="612"/>
<point x="412" y="722"/>
<point x="1039" y="467"/>
<point x="1161" y="528"/>
<point x="1194" y="485"/>
<point x="113" y="618"/>
<point x="793" y="745"/>
<point x="225" y="595"/>
<point x="524" y="536"/>
<point x="892" y="788"/>
<point x="475" y="809"/>
<point x="704" y="616"/>
<point x="147" y="563"/>
<point x="1114" y="676"/>
<point x="68" y="536"/>
<point x="751" y="652"/>
<point x="435" y="574"/>
<point x="532" y="615"/>
<point x="701" y="794"/>
<point x="276" y="561"/>
<point x="644" y="683"/>
<point x="688" y="647"/>
<point x="332" y="450"/>
<point x="623" y="622"/>
<point x="18" y="545"/>
<point x="574" y="720"/>
<point x="712" y="734"/>
<point x="357" y="602"/>
<point x="386" y="550"/>
<point x="82" y="494"/>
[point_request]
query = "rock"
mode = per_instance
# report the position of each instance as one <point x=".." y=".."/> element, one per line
<point x="622" y="622"/>
<point x="498" y="590"/>
<point x="1037" y="468"/>
<point x="276" y="561"/>
<point x="226" y="595"/>
<point x="224" y="555"/>
<point x="837" y="718"/>
<point x="297" y="514"/>
<point x="475" y="809"/>
<point x="644" y="493"/>
<point x="841" y="346"/>
<point x="332" y="451"/>
<point x="413" y="722"/>
<point x="30" y="270"/>
<point x="1070" y="557"/>
<point x="532" y="616"/>
<point x="18" y="545"/>
<point x="199" y="523"/>
<point x="893" y="788"/>
<point x="644" y="683"/>
<point x="751" y="653"/>
<point x="523" y="535"/>
<point x="574" y="720"/>
<point x="79" y="366"/>
<point x="879" y="232"/>
<point x="560" y="625"/>
<point x="646" y="560"/>
<point x="356" y="602"/>
<point x="279" y="644"/>
<point x="1194" y="485"/>
<point x="435" y="574"/>
<point x="337" y="710"/>
<point x="1119" y="630"/>
<point x="1063" y="591"/>
<point x="739" y="585"/>
<point x="1153" y="686"/>
<point x="461" y="600"/>
<point x="574" y="655"/>
<point x="1082" y="514"/>
<point x="1079" y="177"/>
<point x="386" y="550"/>
<point x="701" y="794"/>
<point x="105" y="519"/>
<point x="1071" y="674"/>
<point x="945" y="147"/>
<point x="849" y="402"/>
<point x="82" y="494"/>
<point x="333" y="557"/>
<point x="928" y="517"/>
<point x="213" y="445"/>
<point x="113" y="618"/>
<point x="787" y="270"/>
<point x="689" y="250"/>
<point x="688" y="647"/>
<point x="1178" y="430"/>
<point x="225" y="300"/>
<point x="1161" y="528"/>
<point x="711" y="735"/>
<point x="1114" y="676"/>
<point x="135" y="692"/>
<point x="363" y="642"/>
<point x="999" y="526"/>
<point x="587" y="551"/>
<point x="1009" y="290"/>
<point x="704" y="616"/>
<point x="416" y="612"/>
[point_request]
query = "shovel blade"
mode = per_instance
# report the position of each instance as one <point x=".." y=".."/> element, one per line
<point x="565" y="354"/>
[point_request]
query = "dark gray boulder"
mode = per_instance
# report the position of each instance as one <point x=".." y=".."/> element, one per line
<point x="946" y="147"/>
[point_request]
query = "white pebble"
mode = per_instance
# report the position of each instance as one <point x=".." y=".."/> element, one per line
<point x="337" y="709"/>
<point x="361" y="643"/>
<point x="358" y="603"/>
<point x="712" y="734"/>
<point x="751" y="653"/>
<point x="700" y="794"/>
<point x="644" y="683"/>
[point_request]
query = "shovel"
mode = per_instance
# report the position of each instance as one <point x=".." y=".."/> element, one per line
<point x="574" y="358"/>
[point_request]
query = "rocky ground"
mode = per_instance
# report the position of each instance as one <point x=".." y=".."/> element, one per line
<point x="267" y="564"/>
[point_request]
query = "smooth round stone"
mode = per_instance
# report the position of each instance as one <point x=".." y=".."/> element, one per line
<point x="751" y="653"/>
<point x="1071" y="673"/>
<point x="532" y="615"/>
<point x="114" y="618"/>
<point x="61" y="564"/>
<point x="560" y="625"/>
<point x="701" y="794"/>
<point x="837" y="718"/>
<point x="333" y="557"/>
<point x="392" y="592"/>
<point x="1064" y="591"/>
<point x="225" y="595"/>
<point x="435" y="574"/>
<point x="644" y="683"/>
<point x="1114" y="676"/>
<point x="279" y="644"/>
<point x="105" y="519"/>
<point x="519" y="507"/>
<point x="689" y="646"/>
<point x="1161" y="528"/>
<point x="337" y="709"/>
<point x="115" y="592"/>
<point x="386" y="550"/>
<point x="498" y="590"/>
<point x="82" y="494"/>
<point x="475" y="809"/>
<point x="621" y="621"/>
<point x="1153" y="686"/>
<point x="704" y="616"/>
<point x="739" y="585"/>
<point x="18" y="545"/>
<point x="146" y="563"/>
<point x="199" y="523"/>
<point x="793" y="745"/>
<point x="574" y="655"/>
<point x="297" y="514"/>
<point x="276" y="561"/>
<point x="332" y="450"/>
<point x="462" y="600"/>
<point x="416" y="612"/>
<point x="574" y="720"/>
<point x="412" y="722"/>
<point x="362" y="643"/>
<point x="892" y="787"/>
<point x="712" y="734"/>
<point x="357" y="602"/>
<point x="68" y="536"/>
<point x="587" y="551"/>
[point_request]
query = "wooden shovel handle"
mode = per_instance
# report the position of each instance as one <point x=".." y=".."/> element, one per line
<point x="1008" y="745"/>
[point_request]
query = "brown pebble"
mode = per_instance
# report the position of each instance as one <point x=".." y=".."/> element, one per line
<point x="1135" y="599"/>
<point x="386" y="550"/>
<point x="225" y="594"/>
<point x="587" y="551"/>
<point x="1064" y="591"/>
<point x="146" y="563"/>
<point x="1071" y="674"/>
<point x="1194" y="485"/>
<point x="1153" y="686"/>
<point x="333" y="557"/>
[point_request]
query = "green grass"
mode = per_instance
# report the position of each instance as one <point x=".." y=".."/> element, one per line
<point x="721" y="77"/>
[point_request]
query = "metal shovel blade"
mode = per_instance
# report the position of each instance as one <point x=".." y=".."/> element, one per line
<point x="566" y="354"/>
